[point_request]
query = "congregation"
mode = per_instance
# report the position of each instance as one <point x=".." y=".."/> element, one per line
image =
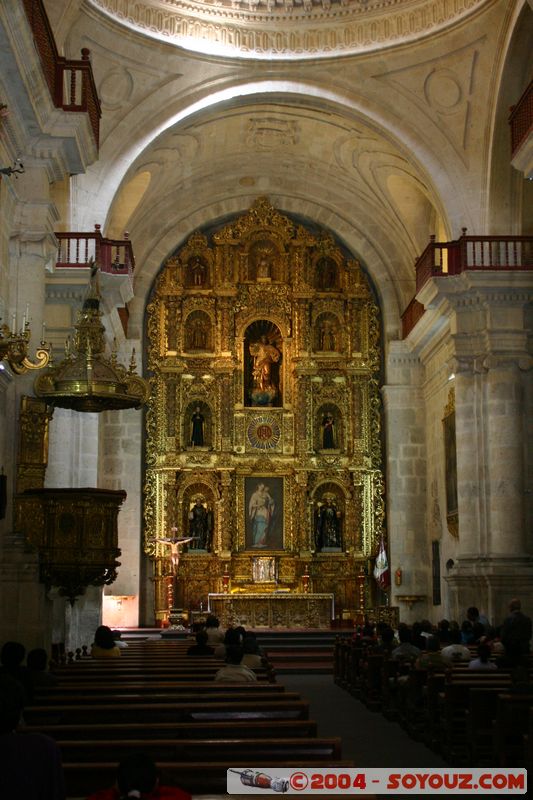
<point x="233" y="657"/>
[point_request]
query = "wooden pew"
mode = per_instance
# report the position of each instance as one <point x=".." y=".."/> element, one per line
<point x="166" y="712"/>
<point x="196" y="777"/>
<point x="204" y="750"/>
<point x="240" y="728"/>
<point x="225" y="694"/>
<point x="509" y="728"/>
<point x="113" y="688"/>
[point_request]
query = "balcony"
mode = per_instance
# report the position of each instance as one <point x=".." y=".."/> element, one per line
<point x="478" y="253"/>
<point x="116" y="260"/>
<point x="71" y="82"/>
<point x="115" y="256"/>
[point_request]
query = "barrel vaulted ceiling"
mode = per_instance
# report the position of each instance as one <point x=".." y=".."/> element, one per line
<point x="384" y="144"/>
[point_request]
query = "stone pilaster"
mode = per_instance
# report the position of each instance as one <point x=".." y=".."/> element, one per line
<point x="406" y="479"/>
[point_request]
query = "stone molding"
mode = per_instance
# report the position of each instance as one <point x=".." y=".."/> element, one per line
<point x="295" y="29"/>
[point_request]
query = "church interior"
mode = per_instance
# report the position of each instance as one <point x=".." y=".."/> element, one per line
<point x="265" y="286"/>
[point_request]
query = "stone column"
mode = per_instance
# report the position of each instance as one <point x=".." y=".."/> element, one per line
<point x="505" y="449"/>
<point x="406" y="480"/>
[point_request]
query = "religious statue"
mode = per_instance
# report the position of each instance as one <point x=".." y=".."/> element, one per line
<point x="197" y="270"/>
<point x="328" y="431"/>
<point x="200" y="525"/>
<point x="328" y="525"/>
<point x="265" y="355"/>
<point x="197" y="428"/>
<point x="197" y="335"/>
<point x="175" y="542"/>
<point x="260" y="512"/>
<point x="327" y="336"/>
<point x="327" y="278"/>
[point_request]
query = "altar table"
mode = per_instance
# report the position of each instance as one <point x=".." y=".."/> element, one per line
<point x="273" y="609"/>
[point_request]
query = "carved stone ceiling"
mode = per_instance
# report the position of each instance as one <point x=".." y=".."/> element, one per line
<point x="287" y="29"/>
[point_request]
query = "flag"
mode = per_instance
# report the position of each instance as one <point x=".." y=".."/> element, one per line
<point x="381" y="568"/>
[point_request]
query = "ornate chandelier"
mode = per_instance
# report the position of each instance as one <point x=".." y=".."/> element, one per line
<point x="86" y="380"/>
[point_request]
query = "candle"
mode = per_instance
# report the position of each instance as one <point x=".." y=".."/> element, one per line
<point x="26" y="316"/>
<point x="13" y="324"/>
<point x="43" y="331"/>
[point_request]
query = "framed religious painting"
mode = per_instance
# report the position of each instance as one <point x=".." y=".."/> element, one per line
<point x="264" y="513"/>
<point x="450" y="465"/>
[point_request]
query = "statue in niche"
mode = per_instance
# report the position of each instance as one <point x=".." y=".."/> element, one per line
<point x="327" y="341"/>
<point x="197" y="428"/>
<point x="200" y="524"/>
<point x="328" y="534"/>
<point x="197" y="334"/>
<point x="328" y="431"/>
<point x="327" y="273"/>
<point x="264" y="387"/>
<point x="262" y="257"/>
<point x="197" y="271"/>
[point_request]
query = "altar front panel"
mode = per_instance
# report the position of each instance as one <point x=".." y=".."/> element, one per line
<point x="271" y="610"/>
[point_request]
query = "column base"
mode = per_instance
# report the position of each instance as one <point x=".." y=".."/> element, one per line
<point x="489" y="583"/>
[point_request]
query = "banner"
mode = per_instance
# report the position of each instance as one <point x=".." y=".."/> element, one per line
<point x="381" y="569"/>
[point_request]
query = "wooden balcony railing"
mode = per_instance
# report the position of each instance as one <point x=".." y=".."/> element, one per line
<point x="521" y="119"/>
<point x="114" y="256"/>
<point x="474" y="253"/>
<point x="489" y="253"/>
<point x="71" y="82"/>
<point x="410" y="316"/>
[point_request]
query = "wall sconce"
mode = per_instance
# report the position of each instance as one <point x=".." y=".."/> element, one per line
<point x="398" y="577"/>
<point x="16" y="169"/>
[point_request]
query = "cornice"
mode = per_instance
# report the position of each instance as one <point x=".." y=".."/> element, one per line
<point x="287" y="29"/>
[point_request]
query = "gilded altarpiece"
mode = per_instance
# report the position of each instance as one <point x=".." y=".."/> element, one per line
<point x="263" y="429"/>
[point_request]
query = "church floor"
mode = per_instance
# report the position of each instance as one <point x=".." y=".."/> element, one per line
<point x="368" y="738"/>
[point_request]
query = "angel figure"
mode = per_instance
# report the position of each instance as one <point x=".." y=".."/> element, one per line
<point x="174" y="542"/>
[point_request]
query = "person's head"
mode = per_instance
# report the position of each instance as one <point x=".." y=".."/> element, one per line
<point x="404" y="634"/>
<point x="103" y="637"/>
<point x="201" y="637"/>
<point x="432" y="644"/>
<point x="387" y="635"/>
<point x="136" y="773"/>
<point x="11" y="703"/>
<point x="212" y="622"/>
<point x="483" y="652"/>
<point x="234" y="654"/>
<point x="37" y="659"/>
<point x="455" y="636"/>
<point x="472" y="614"/>
<point x="12" y="655"/>
<point x="232" y="637"/>
<point x="249" y="644"/>
<point x="515" y="604"/>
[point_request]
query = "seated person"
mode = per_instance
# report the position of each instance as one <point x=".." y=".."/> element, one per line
<point x="214" y="634"/>
<point x="234" y="671"/>
<point x="251" y="652"/>
<point x="37" y="661"/>
<point x="104" y="645"/>
<point x="201" y="648"/>
<point x="30" y="763"/>
<point x="455" y="650"/>
<point x="482" y="660"/>
<point x="406" y="651"/>
<point x="137" y="778"/>
<point x="11" y="658"/>
<point x="117" y="636"/>
<point x="232" y="638"/>
<point x="431" y="657"/>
